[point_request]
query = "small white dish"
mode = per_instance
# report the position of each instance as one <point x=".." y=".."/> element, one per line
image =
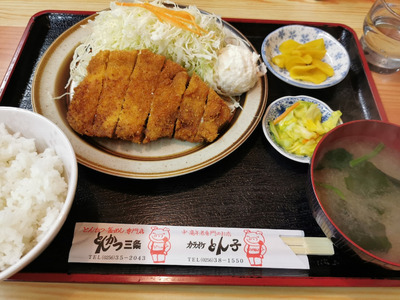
<point x="46" y="134"/>
<point x="277" y="107"/>
<point x="336" y="54"/>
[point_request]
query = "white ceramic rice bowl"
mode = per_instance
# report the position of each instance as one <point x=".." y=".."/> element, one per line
<point x="46" y="134"/>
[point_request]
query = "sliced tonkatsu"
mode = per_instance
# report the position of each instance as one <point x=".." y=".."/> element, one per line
<point x="119" y="69"/>
<point x="166" y="101"/>
<point x="141" y="97"/>
<point x="191" y="110"/>
<point x="82" y="109"/>
<point x="216" y="115"/>
<point x="138" y="97"/>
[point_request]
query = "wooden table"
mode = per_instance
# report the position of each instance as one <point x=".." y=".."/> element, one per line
<point x="14" y="16"/>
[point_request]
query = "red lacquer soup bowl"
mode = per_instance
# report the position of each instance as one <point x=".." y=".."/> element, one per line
<point x="354" y="189"/>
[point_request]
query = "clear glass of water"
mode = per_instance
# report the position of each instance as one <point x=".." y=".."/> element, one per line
<point x="381" y="36"/>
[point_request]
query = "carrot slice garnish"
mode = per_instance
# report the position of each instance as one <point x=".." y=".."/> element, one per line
<point x="286" y="112"/>
<point x="181" y="19"/>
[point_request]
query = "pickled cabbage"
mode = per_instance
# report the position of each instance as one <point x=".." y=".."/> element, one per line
<point x="301" y="129"/>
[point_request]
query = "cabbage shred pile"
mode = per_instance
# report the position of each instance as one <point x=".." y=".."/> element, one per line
<point x="135" y="28"/>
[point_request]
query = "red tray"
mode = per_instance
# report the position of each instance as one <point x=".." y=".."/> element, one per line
<point x="243" y="190"/>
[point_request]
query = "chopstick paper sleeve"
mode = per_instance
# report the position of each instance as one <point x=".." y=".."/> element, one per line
<point x="185" y="245"/>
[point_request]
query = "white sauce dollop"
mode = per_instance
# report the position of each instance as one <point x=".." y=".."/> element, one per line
<point x="237" y="70"/>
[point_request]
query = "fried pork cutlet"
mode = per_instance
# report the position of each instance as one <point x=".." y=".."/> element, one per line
<point x="139" y="95"/>
<point x="119" y="68"/>
<point x="82" y="109"/>
<point x="216" y="115"/>
<point x="191" y="110"/>
<point x="166" y="101"/>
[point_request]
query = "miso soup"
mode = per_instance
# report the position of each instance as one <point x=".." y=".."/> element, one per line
<point x="356" y="184"/>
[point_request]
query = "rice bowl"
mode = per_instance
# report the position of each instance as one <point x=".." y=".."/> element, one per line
<point x="47" y="196"/>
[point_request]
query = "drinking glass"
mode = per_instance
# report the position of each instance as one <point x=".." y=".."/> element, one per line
<point x="381" y="36"/>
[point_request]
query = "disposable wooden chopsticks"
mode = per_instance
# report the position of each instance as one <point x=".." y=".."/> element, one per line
<point x="309" y="245"/>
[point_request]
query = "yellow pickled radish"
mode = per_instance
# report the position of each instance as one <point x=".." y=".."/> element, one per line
<point x="308" y="73"/>
<point x="315" y="48"/>
<point x="324" y="67"/>
<point x="287" y="46"/>
<point x="279" y="60"/>
<point x="314" y="44"/>
<point x="292" y="61"/>
<point x="314" y="53"/>
<point x="304" y="61"/>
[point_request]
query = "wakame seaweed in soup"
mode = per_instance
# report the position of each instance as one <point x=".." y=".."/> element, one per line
<point x="356" y="183"/>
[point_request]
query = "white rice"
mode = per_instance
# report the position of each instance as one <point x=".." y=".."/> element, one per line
<point x="32" y="192"/>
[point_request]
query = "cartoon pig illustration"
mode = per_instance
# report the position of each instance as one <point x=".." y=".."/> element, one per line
<point x="254" y="247"/>
<point x="159" y="244"/>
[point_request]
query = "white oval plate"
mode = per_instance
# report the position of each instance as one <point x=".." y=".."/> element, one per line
<point x="159" y="159"/>
<point x="277" y="107"/>
<point x="336" y="54"/>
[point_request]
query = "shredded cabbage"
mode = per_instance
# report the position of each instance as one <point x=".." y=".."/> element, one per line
<point x="129" y="28"/>
<point x="136" y="28"/>
<point x="301" y="130"/>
